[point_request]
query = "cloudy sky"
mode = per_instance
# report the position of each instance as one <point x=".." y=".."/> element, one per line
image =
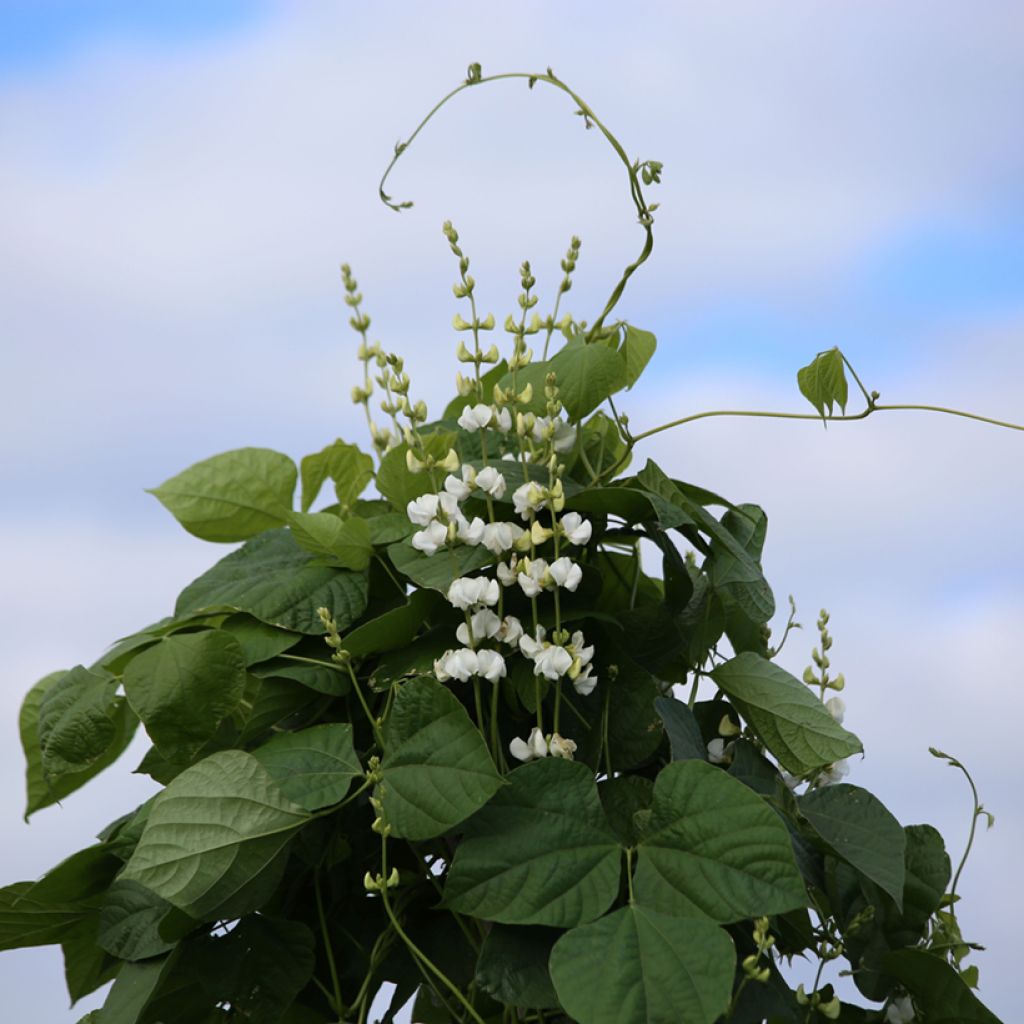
<point x="179" y="182"/>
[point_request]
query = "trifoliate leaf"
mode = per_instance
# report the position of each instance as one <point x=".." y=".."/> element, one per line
<point x="823" y="382"/>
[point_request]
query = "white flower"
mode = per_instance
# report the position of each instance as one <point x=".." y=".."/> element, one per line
<point x="552" y="662"/>
<point x="422" y="509"/>
<point x="566" y="573"/>
<point x="719" y="752"/>
<point x="430" y="539"/>
<point x="527" y="498"/>
<point x="836" y="707"/>
<point x="503" y="420"/>
<point x="563" y="436"/>
<point x="499" y="537"/>
<point x="584" y="683"/>
<point x="531" y="647"/>
<point x="483" y="623"/>
<point x="584" y="653"/>
<point x="491" y="665"/>
<point x="491" y="481"/>
<point x="459" y="489"/>
<point x="440" y="672"/>
<point x="449" y="505"/>
<point x="470" y="532"/>
<point x="475" y="417"/>
<point x="531" y="749"/>
<point x="510" y="631"/>
<point x="467" y="591"/>
<point x="900" y="1011"/>
<point x="561" y="747"/>
<point x="575" y="528"/>
<point x="791" y="781"/>
<point x="833" y="773"/>
<point x="461" y="664"/>
<point x="532" y="580"/>
<point x="507" y="574"/>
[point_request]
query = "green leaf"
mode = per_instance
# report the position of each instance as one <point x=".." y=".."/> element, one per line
<point x="81" y="719"/>
<point x="394" y="629"/>
<point x="637" y="966"/>
<point x="861" y="831"/>
<point x="685" y="507"/>
<point x="344" y="542"/>
<point x="184" y="686"/>
<point x="25" y="921"/>
<point x="586" y="376"/>
<point x="940" y="993"/>
<point x="711" y="846"/>
<point x="637" y="348"/>
<point x="395" y="481"/>
<point x="84" y="874"/>
<point x="215" y="827"/>
<point x="313" y="767"/>
<point x="132" y="990"/>
<point x="823" y="382"/>
<point x="541" y="852"/>
<point x="436" y="572"/>
<point x="232" y="496"/>
<point x="259" y="642"/>
<point x="323" y="676"/>
<point x="349" y="468"/>
<point x="683" y="731"/>
<point x="513" y="966"/>
<point x="272" y="579"/>
<point x="86" y="965"/>
<point x="129" y="922"/>
<point x="41" y="792"/>
<point x="791" y="722"/>
<point x="437" y="770"/>
<point x="621" y="798"/>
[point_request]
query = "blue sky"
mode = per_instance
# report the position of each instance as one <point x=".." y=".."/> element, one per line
<point x="181" y="180"/>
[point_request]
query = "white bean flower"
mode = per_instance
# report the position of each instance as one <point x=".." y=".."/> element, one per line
<point x="422" y="509"/>
<point x="530" y="646"/>
<point x="475" y="417"/>
<point x="431" y="538"/>
<point x="836" y="707"/>
<point x="533" y="576"/>
<point x="552" y="662"/>
<point x="470" y="532"/>
<point x="561" y="747"/>
<point x="510" y="631"/>
<point x="491" y="481"/>
<point x="502" y="420"/>
<point x="490" y="665"/>
<point x="449" y="505"/>
<point x="900" y="1011"/>
<point x="507" y="574"/>
<point x="499" y="537"/>
<point x="461" y="664"/>
<point x="833" y="773"/>
<point x="483" y="625"/>
<point x="459" y="487"/>
<point x="585" y="682"/>
<point x="562" y="435"/>
<point x="467" y="591"/>
<point x="527" y="498"/>
<point x="566" y="573"/>
<point x="530" y="749"/>
<point x="719" y="752"/>
<point x="575" y="528"/>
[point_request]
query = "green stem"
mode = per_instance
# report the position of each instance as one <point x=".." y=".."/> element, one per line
<point x="374" y="724"/>
<point x="328" y="949"/>
<point x="418" y="953"/>
<point x="636" y="192"/>
<point x="629" y="873"/>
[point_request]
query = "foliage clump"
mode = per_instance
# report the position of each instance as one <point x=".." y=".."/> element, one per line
<point x="458" y="737"/>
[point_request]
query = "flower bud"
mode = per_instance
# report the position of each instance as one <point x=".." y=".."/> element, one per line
<point x="463" y="354"/>
<point x="487" y="324"/>
<point x="413" y="464"/>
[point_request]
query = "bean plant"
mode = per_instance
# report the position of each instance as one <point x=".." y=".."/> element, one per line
<point x="497" y="729"/>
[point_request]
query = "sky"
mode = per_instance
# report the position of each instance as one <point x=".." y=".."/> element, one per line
<point x="179" y="182"/>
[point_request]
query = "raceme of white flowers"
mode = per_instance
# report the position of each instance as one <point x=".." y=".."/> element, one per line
<point x="487" y="638"/>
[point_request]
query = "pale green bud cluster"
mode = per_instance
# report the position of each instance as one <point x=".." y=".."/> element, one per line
<point x="569" y="264"/>
<point x="821" y="677"/>
<point x="764" y="941"/>
<point x="829" y="1009"/>
<point x="333" y="637"/>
